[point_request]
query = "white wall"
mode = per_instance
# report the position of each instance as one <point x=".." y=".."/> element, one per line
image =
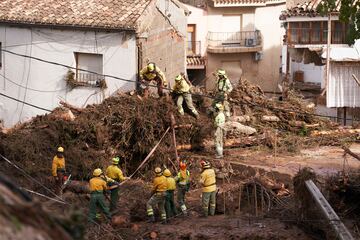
<point x="312" y="73"/>
<point x="119" y="57"/>
<point x="198" y="16"/>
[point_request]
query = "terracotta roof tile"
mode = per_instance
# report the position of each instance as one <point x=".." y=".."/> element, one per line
<point x="107" y="14"/>
<point x="195" y="61"/>
<point x="308" y="9"/>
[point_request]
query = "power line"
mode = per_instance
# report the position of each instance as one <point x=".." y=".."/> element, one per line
<point x="166" y="88"/>
<point x="32" y="89"/>
<point x="29" y="104"/>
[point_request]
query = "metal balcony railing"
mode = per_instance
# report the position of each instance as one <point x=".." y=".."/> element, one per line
<point x="193" y="48"/>
<point x="234" y="39"/>
<point x="89" y="79"/>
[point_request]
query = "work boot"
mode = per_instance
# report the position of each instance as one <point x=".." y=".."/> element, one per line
<point x="151" y="219"/>
<point x="164" y="221"/>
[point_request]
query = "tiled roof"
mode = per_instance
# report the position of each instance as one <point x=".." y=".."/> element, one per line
<point x="103" y="14"/>
<point x="220" y="3"/>
<point x="308" y="9"/>
<point x="195" y="61"/>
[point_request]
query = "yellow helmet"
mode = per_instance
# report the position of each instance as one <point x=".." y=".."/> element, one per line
<point x="60" y="149"/>
<point x="221" y="72"/>
<point x="97" y="172"/>
<point x="151" y="67"/>
<point x="219" y="106"/>
<point x="167" y="173"/>
<point x="178" y="77"/>
<point x="115" y="160"/>
<point x="158" y="171"/>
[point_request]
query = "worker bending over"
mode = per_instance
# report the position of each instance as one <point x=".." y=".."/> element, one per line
<point x="208" y="182"/>
<point x="181" y="91"/>
<point x="157" y="196"/>
<point x="152" y="73"/>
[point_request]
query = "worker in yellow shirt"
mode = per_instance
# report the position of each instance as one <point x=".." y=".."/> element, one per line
<point x="169" y="200"/>
<point x="114" y="172"/>
<point x="208" y="182"/>
<point x="152" y="73"/>
<point x="58" y="169"/>
<point x="97" y="188"/>
<point x="157" y="196"/>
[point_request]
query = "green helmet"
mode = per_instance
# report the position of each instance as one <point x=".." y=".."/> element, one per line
<point x="221" y="72"/>
<point x="151" y="67"/>
<point x="115" y="160"/>
<point x="178" y="77"/>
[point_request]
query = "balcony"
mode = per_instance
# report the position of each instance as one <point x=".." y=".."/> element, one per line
<point x="234" y="42"/>
<point x="194" y="59"/>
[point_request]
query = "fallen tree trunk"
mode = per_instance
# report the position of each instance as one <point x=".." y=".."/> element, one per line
<point x="348" y="151"/>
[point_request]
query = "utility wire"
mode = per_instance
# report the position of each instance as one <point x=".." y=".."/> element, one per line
<point x="29" y="104"/>
<point x="153" y="85"/>
<point x="32" y="89"/>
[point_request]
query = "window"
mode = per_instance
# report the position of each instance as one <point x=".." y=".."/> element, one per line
<point x="293" y="29"/>
<point x="338" y="34"/>
<point x="191" y="44"/>
<point x="316" y="32"/>
<point x="90" y="62"/>
<point x="305" y="32"/>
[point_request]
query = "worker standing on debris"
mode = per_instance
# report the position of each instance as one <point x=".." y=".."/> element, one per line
<point x="223" y="88"/>
<point x="114" y="172"/>
<point x="152" y="73"/>
<point x="157" y="196"/>
<point x="183" y="185"/>
<point x="181" y="91"/>
<point x="97" y="188"/>
<point x="208" y="182"/>
<point x="169" y="201"/>
<point x="58" y="168"/>
<point x="219" y="132"/>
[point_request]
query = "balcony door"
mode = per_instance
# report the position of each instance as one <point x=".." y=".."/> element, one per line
<point x="191" y="41"/>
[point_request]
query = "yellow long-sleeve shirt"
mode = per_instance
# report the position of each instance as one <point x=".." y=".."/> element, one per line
<point x="208" y="180"/>
<point x="115" y="173"/>
<point x="97" y="184"/>
<point x="181" y="87"/>
<point x="171" y="184"/>
<point x="149" y="76"/>
<point x="57" y="164"/>
<point x="160" y="184"/>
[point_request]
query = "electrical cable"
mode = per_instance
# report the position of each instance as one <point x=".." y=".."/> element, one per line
<point x="29" y="104"/>
<point x="153" y="85"/>
<point x="32" y="89"/>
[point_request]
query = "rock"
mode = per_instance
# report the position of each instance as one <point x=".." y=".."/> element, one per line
<point x="270" y="119"/>
<point x="135" y="227"/>
<point x="238" y="128"/>
<point x="241" y="119"/>
<point x="119" y="220"/>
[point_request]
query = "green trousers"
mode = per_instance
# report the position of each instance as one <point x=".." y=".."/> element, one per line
<point x="189" y="103"/>
<point x="159" y="200"/>
<point x="220" y="98"/>
<point x="181" y="191"/>
<point x="114" y="198"/>
<point x="97" y="201"/>
<point x="208" y="203"/>
<point x="170" y="207"/>
<point x="219" y="141"/>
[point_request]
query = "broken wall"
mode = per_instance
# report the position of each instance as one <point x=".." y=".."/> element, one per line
<point x="161" y="37"/>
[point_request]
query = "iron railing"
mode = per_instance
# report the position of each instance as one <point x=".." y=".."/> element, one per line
<point x="89" y="79"/>
<point x="193" y="48"/>
<point x="234" y="39"/>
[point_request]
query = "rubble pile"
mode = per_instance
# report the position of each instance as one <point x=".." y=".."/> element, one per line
<point x="123" y="125"/>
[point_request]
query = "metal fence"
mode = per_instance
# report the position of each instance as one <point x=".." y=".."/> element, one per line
<point x="234" y="39"/>
<point x="89" y="79"/>
<point x="193" y="48"/>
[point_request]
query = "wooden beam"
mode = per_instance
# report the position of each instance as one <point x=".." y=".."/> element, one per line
<point x="348" y="151"/>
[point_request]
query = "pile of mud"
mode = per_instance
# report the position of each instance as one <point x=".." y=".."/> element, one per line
<point x="123" y="125"/>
